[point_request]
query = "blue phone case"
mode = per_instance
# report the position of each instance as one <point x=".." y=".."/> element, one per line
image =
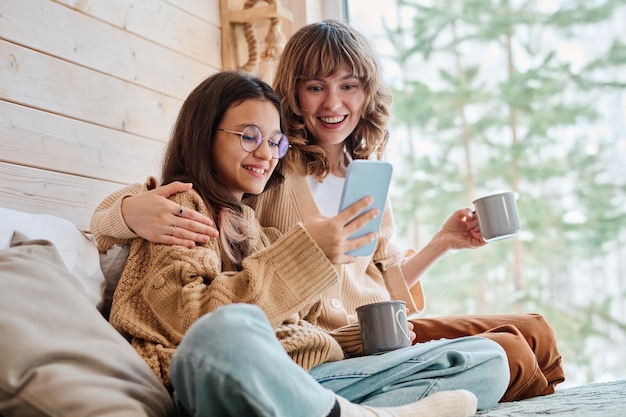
<point x="367" y="177"/>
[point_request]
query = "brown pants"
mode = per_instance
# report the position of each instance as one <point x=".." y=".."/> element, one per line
<point x="528" y="340"/>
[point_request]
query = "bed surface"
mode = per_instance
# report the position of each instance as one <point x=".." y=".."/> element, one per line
<point x="606" y="399"/>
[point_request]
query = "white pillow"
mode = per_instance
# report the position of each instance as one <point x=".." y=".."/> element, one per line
<point x="112" y="264"/>
<point x="78" y="251"/>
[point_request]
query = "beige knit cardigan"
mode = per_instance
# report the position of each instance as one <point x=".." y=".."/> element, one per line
<point x="164" y="289"/>
<point x="370" y="279"/>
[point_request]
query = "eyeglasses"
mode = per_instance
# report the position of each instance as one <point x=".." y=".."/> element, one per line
<point x="251" y="139"/>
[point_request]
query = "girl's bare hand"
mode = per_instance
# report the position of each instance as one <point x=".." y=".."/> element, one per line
<point x="331" y="234"/>
<point x="412" y="335"/>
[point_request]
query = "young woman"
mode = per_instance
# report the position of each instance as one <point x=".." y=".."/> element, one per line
<point x="337" y="109"/>
<point x="182" y="308"/>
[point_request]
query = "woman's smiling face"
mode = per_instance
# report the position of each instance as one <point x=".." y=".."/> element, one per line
<point x="331" y="106"/>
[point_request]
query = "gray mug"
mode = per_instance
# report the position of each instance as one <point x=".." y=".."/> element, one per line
<point x="384" y="326"/>
<point x="497" y="216"/>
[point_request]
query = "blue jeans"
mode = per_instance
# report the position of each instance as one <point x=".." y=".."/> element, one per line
<point x="231" y="364"/>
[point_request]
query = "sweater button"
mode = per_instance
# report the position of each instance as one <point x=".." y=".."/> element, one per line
<point x="335" y="303"/>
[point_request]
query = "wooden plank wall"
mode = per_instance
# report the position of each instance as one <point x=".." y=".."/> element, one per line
<point x="89" y="91"/>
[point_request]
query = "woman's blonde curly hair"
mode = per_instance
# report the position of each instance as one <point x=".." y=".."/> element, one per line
<point x="322" y="49"/>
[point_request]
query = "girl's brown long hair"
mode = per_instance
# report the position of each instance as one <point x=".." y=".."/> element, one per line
<point x="191" y="153"/>
<point x="319" y="50"/>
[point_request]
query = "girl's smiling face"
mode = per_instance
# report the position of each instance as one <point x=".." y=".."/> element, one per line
<point x="331" y="107"/>
<point x="246" y="172"/>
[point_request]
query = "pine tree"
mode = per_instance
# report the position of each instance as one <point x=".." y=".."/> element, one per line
<point x="488" y="100"/>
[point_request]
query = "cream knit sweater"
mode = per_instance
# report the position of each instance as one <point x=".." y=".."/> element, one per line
<point x="370" y="279"/>
<point x="164" y="289"/>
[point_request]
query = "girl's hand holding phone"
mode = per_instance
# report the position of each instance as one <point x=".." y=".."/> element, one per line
<point x="333" y="234"/>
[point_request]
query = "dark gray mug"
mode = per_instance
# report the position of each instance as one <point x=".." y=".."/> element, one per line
<point x="384" y="326"/>
<point x="497" y="216"/>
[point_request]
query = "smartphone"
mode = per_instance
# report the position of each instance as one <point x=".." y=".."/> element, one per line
<point x="366" y="177"/>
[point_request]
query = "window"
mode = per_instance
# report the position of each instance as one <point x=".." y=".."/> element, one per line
<point x="532" y="100"/>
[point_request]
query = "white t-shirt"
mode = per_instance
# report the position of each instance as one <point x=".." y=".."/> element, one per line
<point x="327" y="194"/>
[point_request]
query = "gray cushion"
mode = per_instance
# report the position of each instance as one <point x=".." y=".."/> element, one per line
<point x="58" y="356"/>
